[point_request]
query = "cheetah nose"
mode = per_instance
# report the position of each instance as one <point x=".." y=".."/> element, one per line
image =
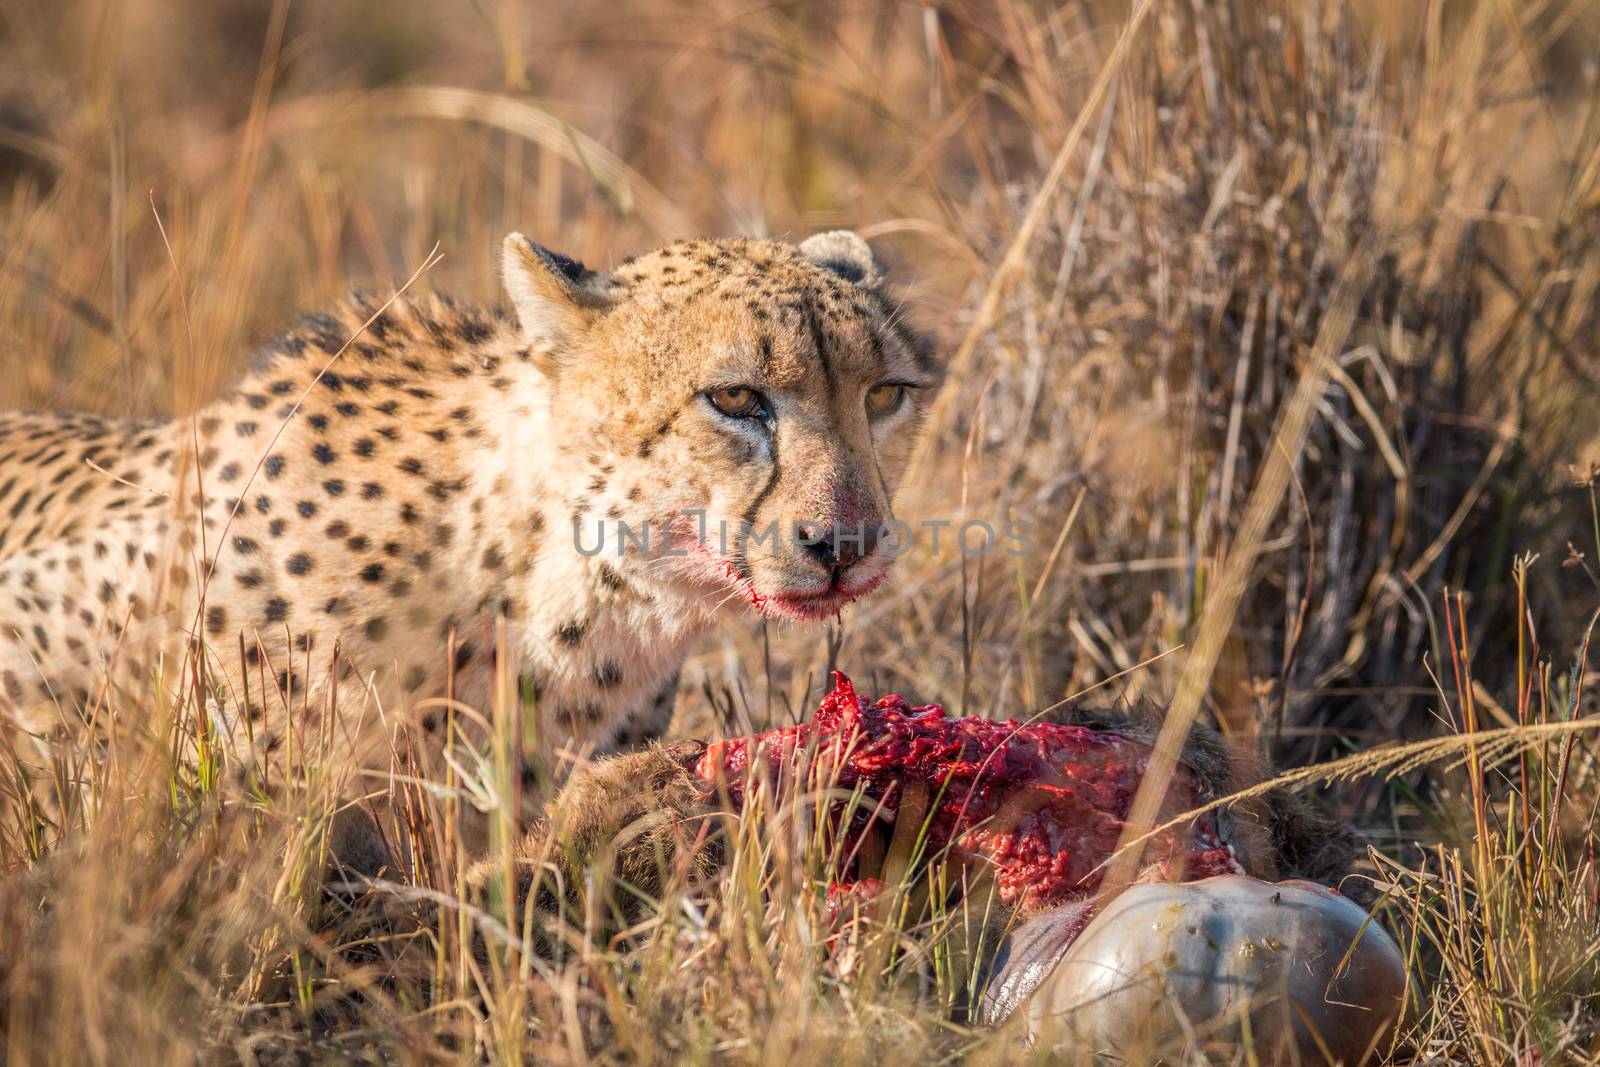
<point x="837" y="544"/>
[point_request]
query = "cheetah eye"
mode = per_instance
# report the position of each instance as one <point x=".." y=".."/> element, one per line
<point x="739" y="402"/>
<point x="885" y="397"/>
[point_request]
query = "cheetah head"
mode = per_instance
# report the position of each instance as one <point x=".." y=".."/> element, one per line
<point x="740" y="410"/>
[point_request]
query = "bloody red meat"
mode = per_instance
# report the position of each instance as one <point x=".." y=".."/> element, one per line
<point x="1040" y="804"/>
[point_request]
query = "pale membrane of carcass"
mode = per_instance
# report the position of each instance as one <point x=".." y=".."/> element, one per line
<point x="1293" y="969"/>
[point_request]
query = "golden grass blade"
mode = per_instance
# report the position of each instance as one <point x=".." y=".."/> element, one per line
<point x="1490" y="747"/>
<point x="1017" y="251"/>
<point x="1265" y="500"/>
<point x="631" y="193"/>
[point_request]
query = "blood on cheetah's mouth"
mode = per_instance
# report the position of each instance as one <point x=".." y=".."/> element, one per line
<point x="797" y="605"/>
<point x="819" y="603"/>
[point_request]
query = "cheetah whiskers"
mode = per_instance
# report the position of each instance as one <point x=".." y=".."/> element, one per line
<point x="92" y="465"/>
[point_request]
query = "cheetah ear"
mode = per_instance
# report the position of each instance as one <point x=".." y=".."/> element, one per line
<point x="556" y="297"/>
<point x="844" y="252"/>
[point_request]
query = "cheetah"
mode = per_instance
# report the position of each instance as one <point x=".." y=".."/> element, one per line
<point x="401" y="502"/>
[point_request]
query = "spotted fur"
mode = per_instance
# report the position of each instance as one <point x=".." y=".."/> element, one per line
<point x="388" y="485"/>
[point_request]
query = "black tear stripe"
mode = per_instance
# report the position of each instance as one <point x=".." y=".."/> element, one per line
<point x="877" y="468"/>
<point x="747" y="521"/>
<point x="814" y="324"/>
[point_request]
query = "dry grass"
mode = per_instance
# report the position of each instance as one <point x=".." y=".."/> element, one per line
<point x="1131" y="251"/>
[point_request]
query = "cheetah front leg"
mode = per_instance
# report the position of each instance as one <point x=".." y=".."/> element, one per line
<point x="616" y="838"/>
